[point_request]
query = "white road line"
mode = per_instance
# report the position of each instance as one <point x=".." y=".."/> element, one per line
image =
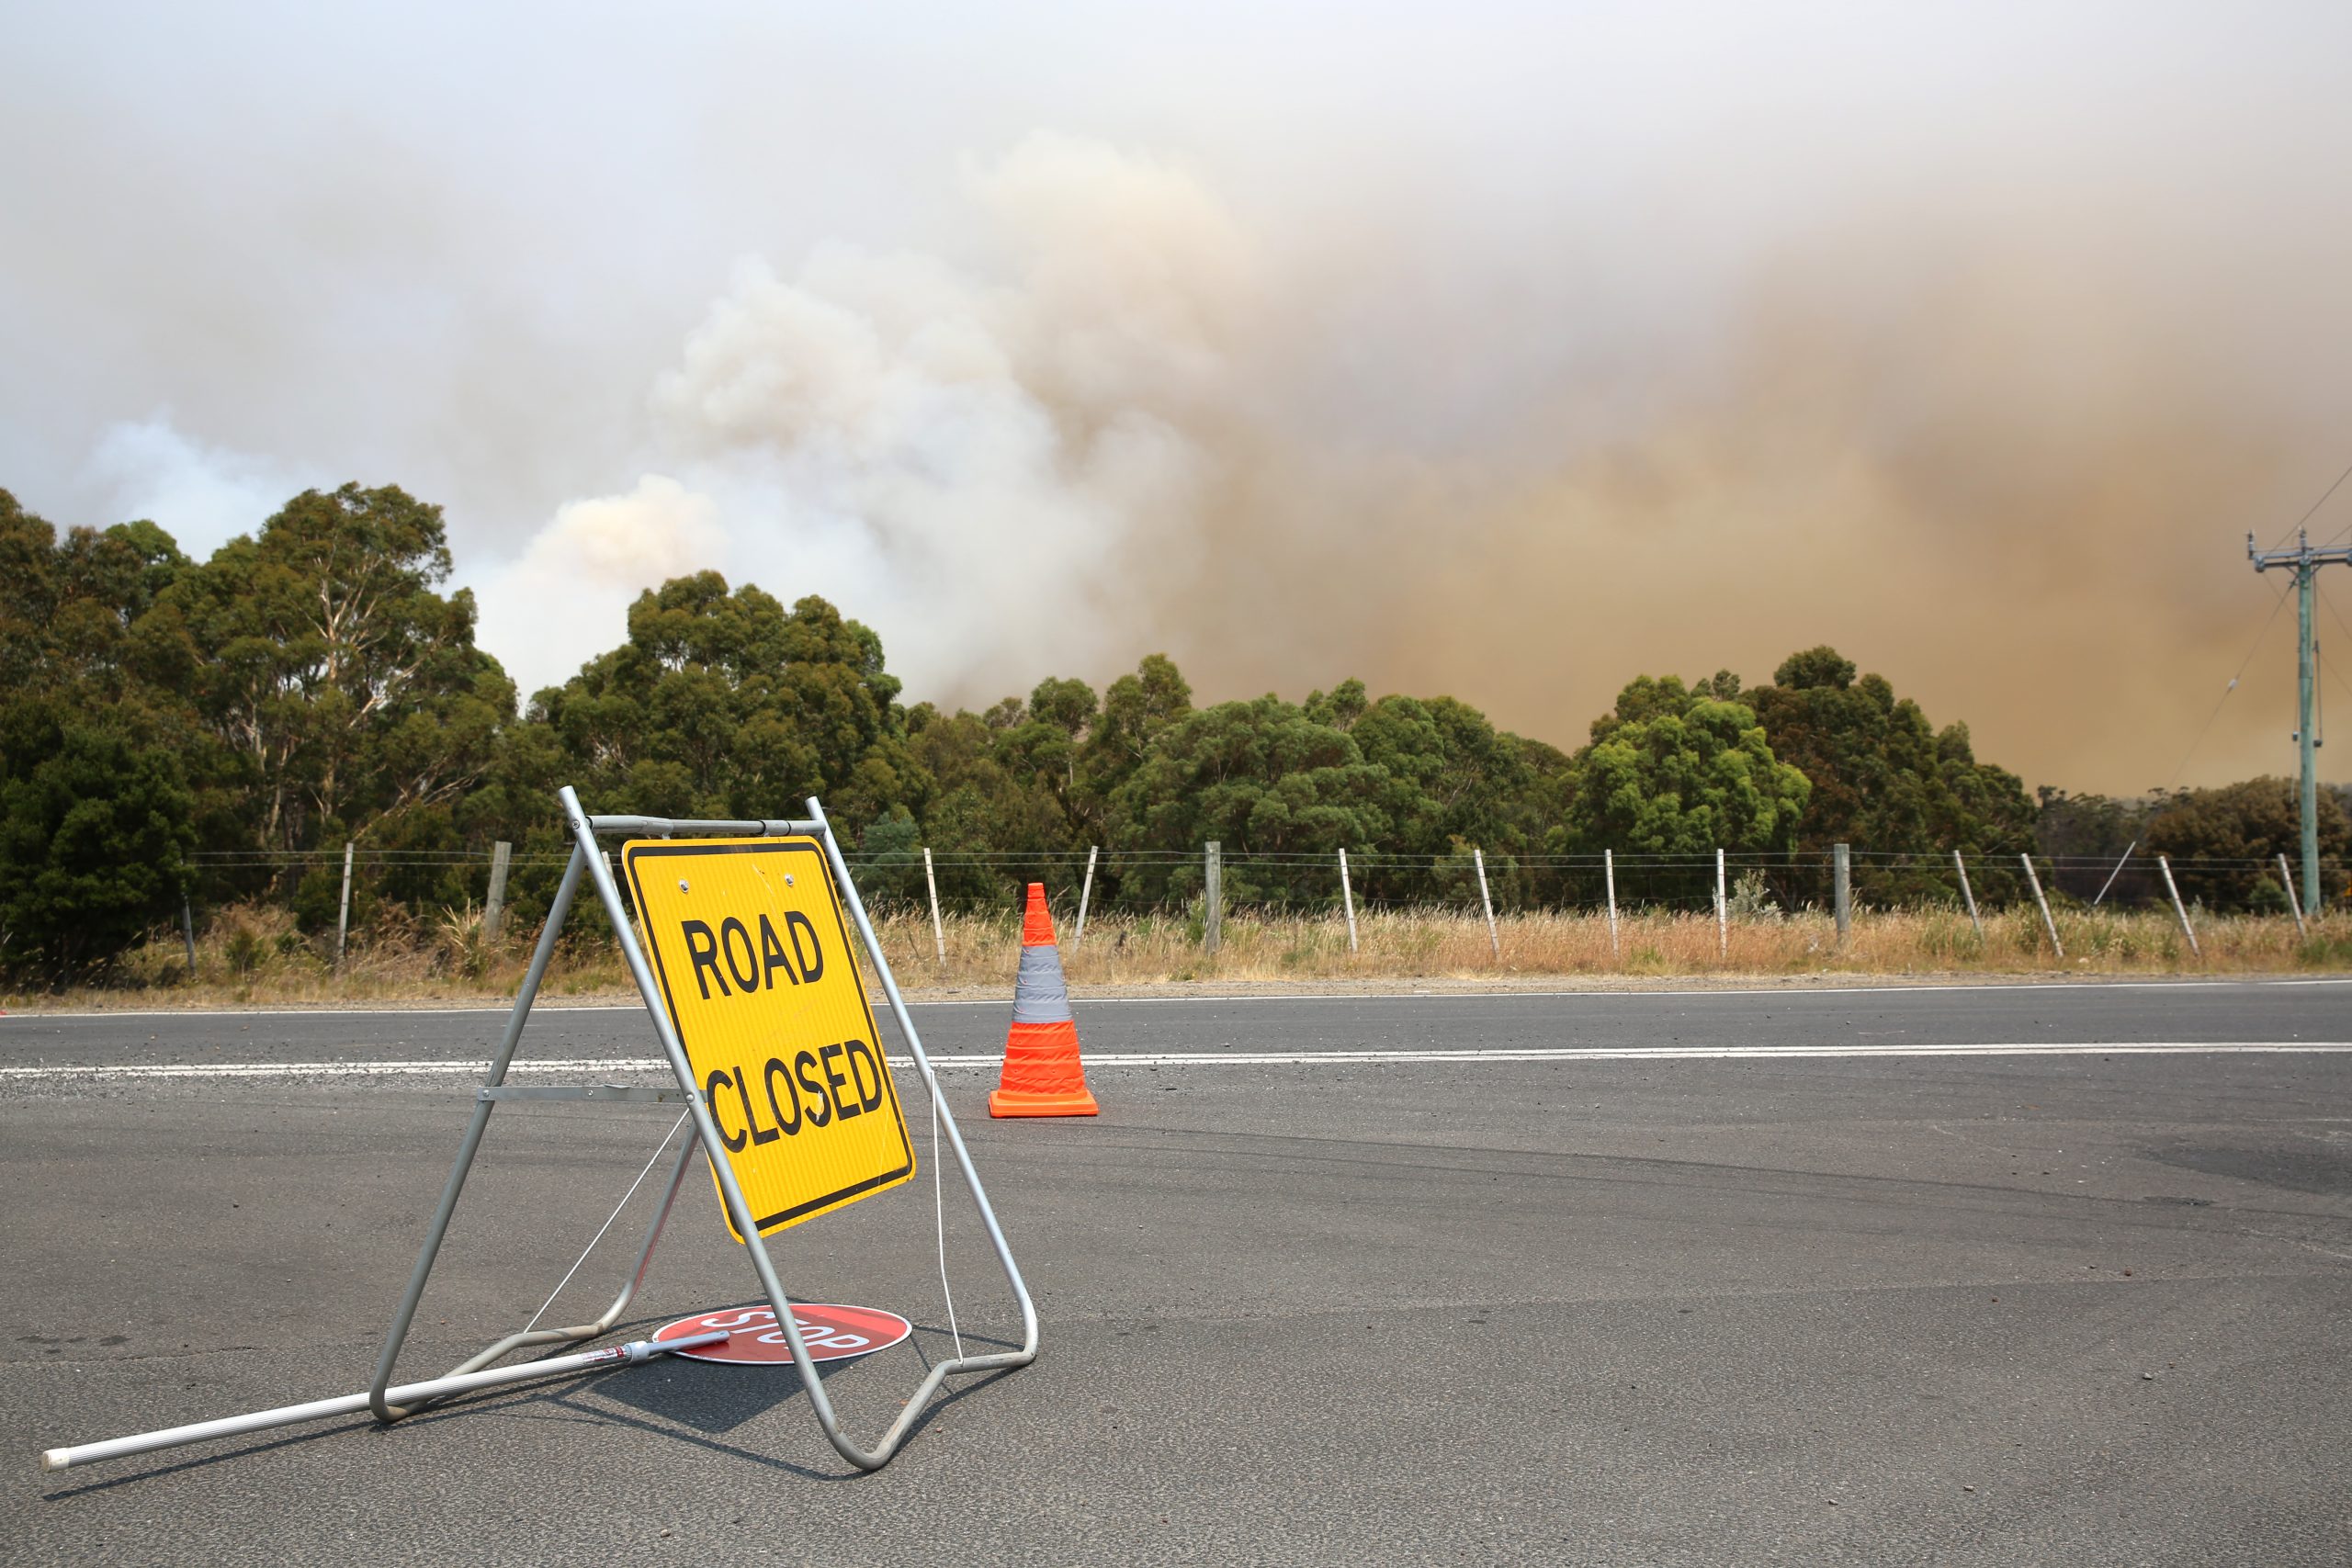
<point x="1700" y="1053"/>
<point x="1793" y="993"/>
<point x="595" y="1065"/>
<point x="543" y="1006"/>
<point x="329" y="1069"/>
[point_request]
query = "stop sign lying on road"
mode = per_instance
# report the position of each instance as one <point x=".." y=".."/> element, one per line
<point x="832" y="1333"/>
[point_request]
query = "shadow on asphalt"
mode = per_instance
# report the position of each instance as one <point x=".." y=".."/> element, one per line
<point x="713" y="1397"/>
<point x="666" y="1425"/>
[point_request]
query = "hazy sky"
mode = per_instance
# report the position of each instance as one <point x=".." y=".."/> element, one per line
<point x="1504" y="351"/>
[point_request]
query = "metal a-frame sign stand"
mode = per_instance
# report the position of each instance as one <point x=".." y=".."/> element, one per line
<point x="391" y="1404"/>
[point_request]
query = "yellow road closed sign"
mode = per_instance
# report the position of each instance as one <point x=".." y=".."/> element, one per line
<point x="753" y="955"/>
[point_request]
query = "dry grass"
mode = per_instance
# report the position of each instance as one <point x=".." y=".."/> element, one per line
<point x="255" y="955"/>
<point x="1124" y="950"/>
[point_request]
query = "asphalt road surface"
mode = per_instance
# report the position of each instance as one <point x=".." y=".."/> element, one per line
<point x="2045" y="1275"/>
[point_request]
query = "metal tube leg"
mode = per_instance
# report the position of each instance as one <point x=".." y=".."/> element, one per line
<point x="417" y="1395"/>
<point x="653" y="1235"/>
<point x="406" y="1312"/>
<point x="1028" y="1351"/>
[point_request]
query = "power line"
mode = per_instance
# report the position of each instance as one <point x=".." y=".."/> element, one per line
<point x="2322" y="653"/>
<point x="2277" y="604"/>
<point x="2338" y="619"/>
<point x="2339" y="680"/>
<point x="2307" y="516"/>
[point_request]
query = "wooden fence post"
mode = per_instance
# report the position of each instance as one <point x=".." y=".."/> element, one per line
<point x="1723" y="911"/>
<point x="1841" y="885"/>
<point x="2047" y="923"/>
<point x="2286" y="880"/>
<point x="493" y="907"/>
<point x="1479" y="857"/>
<point x="342" y="920"/>
<point x="931" y="882"/>
<point x="1609" y="871"/>
<point x="1348" y="900"/>
<point x="2165" y="865"/>
<point x="1213" y="896"/>
<point x="1085" y="893"/>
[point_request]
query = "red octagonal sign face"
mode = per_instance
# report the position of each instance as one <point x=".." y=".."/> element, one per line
<point x="832" y="1333"/>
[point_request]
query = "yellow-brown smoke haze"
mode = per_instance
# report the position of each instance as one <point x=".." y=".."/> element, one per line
<point x="2006" y="458"/>
<point x="2019" y="494"/>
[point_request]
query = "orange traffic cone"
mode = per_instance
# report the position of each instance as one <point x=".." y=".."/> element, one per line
<point x="1043" y="1076"/>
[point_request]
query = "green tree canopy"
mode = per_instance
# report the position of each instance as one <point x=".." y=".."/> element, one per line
<point x="68" y="607"/>
<point x="1671" y="771"/>
<point x="95" y="832"/>
<point x="724" y="704"/>
<point x="1886" y="782"/>
<point x="2096" y="827"/>
<point x="1016" y="793"/>
<point x="1450" y="781"/>
<point x="1408" y="786"/>
<point x="323" y="657"/>
<point x="1261" y="777"/>
<point x="315" y="681"/>
<point x="2252" y="824"/>
<point x="1136" y="710"/>
<point x="79" y="618"/>
<point x="983" y="809"/>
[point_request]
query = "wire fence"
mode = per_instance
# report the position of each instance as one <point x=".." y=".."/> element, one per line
<point x="1746" y="882"/>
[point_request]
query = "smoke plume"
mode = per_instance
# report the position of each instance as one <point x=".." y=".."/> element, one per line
<point x="1507" y="355"/>
<point x="2002" y="455"/>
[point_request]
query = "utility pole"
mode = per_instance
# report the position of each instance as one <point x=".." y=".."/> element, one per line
<point x="2305" y="562"/>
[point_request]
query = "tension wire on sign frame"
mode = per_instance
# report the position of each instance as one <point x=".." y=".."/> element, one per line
<point x="658" y="1150"/>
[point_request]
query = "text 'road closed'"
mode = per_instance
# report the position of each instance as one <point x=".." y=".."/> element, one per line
<point x="840" y="1081"/>
<point x="753" y="952"/>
